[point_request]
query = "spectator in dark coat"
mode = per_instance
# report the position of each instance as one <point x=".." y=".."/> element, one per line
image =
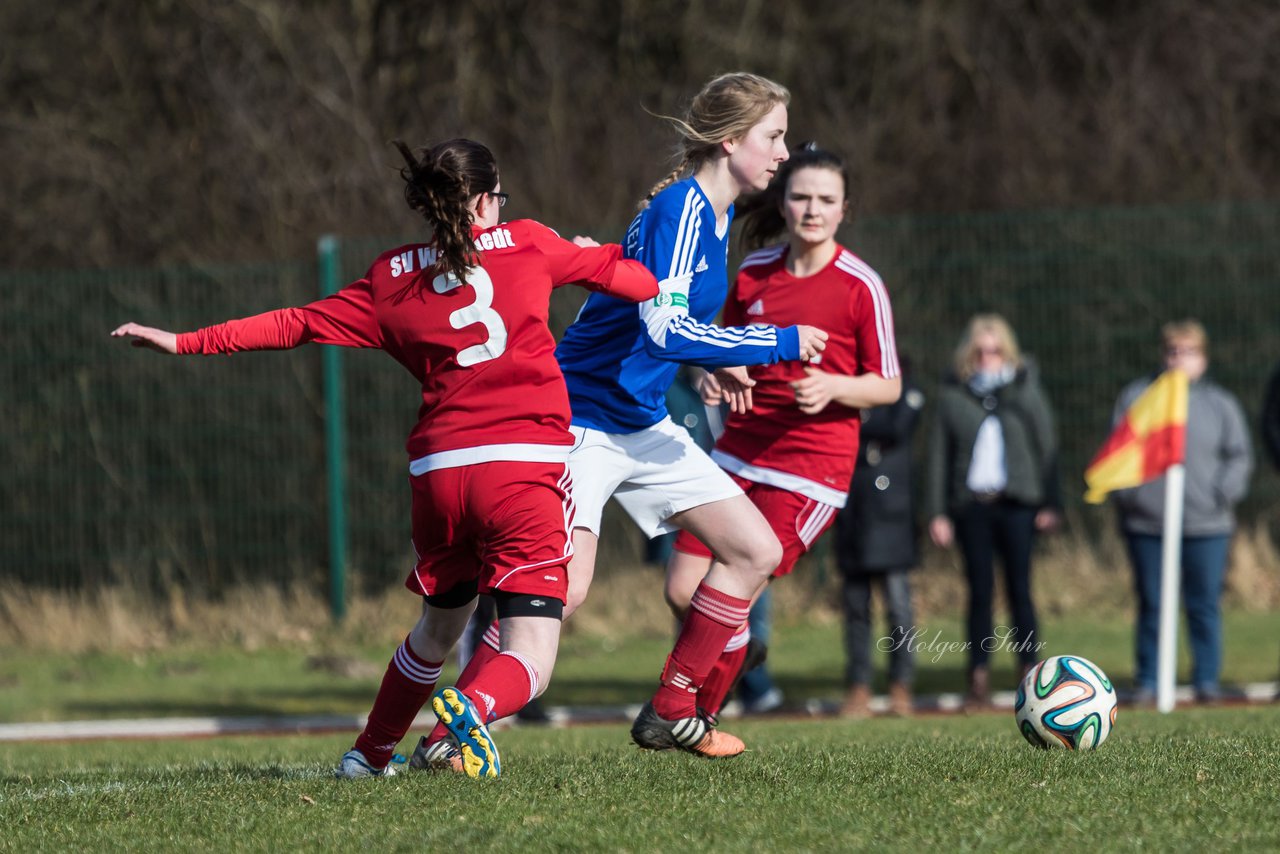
<point x="1271" y="426"/>
<point x="877" y="543"/>
<point x="992" y="486"/>
<point x="1271" y="417"/>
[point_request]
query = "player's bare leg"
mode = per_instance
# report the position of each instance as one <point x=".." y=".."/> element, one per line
<point x="581" y="569"/>
<point x="747" y="553"/>
<point x="685" y="572"/>
<point x="410" y="678"/>
<point x="505" y="685"/>
<point x="538" y="640"/>
<point x="433" y="751"/>
<point x="438" y="629"/>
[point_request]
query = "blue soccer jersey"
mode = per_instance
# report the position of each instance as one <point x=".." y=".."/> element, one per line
<point x="619" y="359"/>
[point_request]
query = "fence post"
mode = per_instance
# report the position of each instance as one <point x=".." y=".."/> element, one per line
<point x="335" y="440"/>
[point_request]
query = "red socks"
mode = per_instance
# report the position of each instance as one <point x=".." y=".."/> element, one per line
<point x="715" y="687"/>
<point x="504" y="686"/>
<point x="406" y="686"/>
<point x="714" y="617"/>
<point x="486" y="651"/>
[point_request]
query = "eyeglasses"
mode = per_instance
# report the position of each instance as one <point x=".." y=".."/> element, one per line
<point x="989" y="351"/>
<point x="501" y="197"/>
<point x="1182" y="351"/>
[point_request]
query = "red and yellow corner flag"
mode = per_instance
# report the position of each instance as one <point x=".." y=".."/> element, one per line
<point x="1151" y="437"/>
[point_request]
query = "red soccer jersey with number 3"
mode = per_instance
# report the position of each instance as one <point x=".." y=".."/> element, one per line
<point x="776" y="443"/>
<point x="481" y="350"/>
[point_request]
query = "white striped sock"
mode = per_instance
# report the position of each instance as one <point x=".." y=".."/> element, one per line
<point x="739" y="639"/>
<point x="721" y="612"/>
<point x="412" y="670"/>
<point x="491" y="637"/>
<point x="532" y="672"/>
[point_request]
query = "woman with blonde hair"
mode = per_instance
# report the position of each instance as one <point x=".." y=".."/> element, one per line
<point x="618" y="362"/>
<point x="991" y="485"/>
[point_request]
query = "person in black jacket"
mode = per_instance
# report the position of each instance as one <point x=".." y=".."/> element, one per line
<point x="1271" y="417"/>
<point x="877" y="542"/>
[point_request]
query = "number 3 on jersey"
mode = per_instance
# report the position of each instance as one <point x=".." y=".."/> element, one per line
<point x="480" y="311"/>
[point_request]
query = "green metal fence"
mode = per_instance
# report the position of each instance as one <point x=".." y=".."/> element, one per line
<point x="1087" y="292"/>
<point x="125" y="465"/>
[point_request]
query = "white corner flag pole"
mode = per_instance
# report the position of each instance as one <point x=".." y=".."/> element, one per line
<point x="1170" y="578"/>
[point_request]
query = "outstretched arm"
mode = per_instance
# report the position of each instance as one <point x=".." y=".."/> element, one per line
<point x="672" y="335"/>
<point x="667" y="240"/>
<point x="147" y="336"/>
<point x="599" y="268"/>
<point x="345" y="319"/>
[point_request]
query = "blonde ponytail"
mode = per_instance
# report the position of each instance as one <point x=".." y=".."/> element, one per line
<point x="727" y="107"/>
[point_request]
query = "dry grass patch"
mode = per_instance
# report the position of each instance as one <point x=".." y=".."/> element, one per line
<point x="1072" y="574"/>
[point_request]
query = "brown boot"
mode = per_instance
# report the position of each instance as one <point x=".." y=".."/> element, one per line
<point x="857" y="703"/>
<point x="900" y="702"/>
<point x="979" y="697"/>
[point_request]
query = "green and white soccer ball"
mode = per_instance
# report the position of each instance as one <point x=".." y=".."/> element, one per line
<point x="1066" y="701"/>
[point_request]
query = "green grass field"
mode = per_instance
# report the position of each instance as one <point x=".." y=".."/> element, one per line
<point x="1199" y="779"/>
<point x="806" y="658"/>
<point x="1196" y="780"/>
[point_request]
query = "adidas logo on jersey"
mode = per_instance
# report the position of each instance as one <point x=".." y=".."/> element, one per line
<point x="702" y="265"/>
<point x="756" y="308"/>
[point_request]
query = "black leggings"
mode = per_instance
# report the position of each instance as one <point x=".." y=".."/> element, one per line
<point x="1005" y="528"/>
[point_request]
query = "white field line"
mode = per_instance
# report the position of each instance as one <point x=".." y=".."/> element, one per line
<point x="63" y="789"/>
<point x="1256" y="692"/>
<point x="145" y="728"/>
<point x="176" y="727"/>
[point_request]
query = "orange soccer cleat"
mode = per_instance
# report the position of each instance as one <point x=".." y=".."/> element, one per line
<point x="697" y="734"/>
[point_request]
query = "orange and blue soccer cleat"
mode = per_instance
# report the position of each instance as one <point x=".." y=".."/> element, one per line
<point x="459" y="715"/>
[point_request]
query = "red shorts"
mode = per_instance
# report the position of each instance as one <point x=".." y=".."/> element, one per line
<point x="503" y="524"/>
<point x="796" y="519"/>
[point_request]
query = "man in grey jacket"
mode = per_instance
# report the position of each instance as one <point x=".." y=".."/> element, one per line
<point x="1219" y="460"/>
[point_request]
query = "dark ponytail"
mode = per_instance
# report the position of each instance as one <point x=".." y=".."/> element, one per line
<point x="440" y="185"/>
<point x="761" y="214"/>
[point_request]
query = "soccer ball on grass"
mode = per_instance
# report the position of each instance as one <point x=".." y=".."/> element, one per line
<point x="1066" y="701"/>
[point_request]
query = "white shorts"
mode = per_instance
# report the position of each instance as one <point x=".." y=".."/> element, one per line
<point x="654" y="473"/>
